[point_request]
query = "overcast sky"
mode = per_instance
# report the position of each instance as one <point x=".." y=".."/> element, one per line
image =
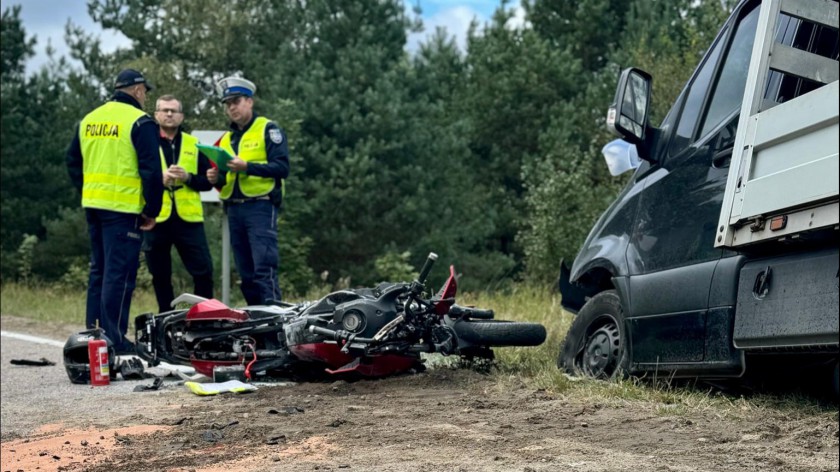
<point x="45" y="19"/>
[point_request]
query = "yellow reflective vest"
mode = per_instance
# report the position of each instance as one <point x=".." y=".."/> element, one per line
<point x="187" y="200"/>
<point x="251" y="149"/>
<point x="109" y="165"/>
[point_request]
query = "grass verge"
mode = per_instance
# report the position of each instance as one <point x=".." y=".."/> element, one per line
<point x="52" y="304"/>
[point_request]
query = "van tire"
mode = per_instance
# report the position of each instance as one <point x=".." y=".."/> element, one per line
<point x="596" y="343"/>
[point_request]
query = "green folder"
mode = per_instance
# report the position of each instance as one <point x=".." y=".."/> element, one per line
<point x="217" y="155"/>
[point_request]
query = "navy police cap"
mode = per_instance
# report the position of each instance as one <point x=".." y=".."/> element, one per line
<point x="236" y="87"/>
<point x="129" y="77"/>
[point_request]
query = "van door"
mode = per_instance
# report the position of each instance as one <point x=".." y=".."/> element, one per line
<point x="672" y="257"/>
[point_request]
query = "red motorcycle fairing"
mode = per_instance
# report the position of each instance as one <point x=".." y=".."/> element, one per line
<point x="215" y="310"/>
<point x="379" y="366"/>
<point x="450" y="288"/>
<point x="329" y="354"/>
<point x="211" y="310"/>
<point x="340" y="362"/>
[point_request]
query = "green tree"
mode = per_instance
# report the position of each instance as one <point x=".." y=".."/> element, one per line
<point x="568" y="185"/>
<point x="364" y="140"/>
<point x="39" y="113"/>
<point x="517" y="83"/>
<point x="668" y="39"/>
<point x="455" y="202"/>
<point x="488" y="156"/>
<point x="15" y="48"/>
<point x="589" y="29"/>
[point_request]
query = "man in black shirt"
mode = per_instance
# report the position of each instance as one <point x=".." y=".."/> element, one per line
<point x="186" y="172"/>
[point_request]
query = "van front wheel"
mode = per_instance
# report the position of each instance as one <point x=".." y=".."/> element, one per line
<point x="596" y="343"/>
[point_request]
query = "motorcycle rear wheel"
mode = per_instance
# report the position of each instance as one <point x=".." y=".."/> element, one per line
<point x="496" y="333"/>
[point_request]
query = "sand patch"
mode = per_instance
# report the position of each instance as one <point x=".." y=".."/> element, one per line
<point x="54" y="448"/>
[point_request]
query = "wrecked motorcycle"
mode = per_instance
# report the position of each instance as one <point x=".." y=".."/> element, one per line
<point x="371" y="332"/>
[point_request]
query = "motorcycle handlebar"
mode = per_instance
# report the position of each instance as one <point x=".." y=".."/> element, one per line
<point x="338" y="335"/>
<point x="427" y="267"/>
<point x="445" y="347"/>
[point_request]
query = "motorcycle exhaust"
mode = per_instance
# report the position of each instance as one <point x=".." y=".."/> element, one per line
<point x="223" y="373"/>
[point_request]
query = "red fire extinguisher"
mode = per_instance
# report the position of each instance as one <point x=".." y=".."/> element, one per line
<point x="100" y="371"/>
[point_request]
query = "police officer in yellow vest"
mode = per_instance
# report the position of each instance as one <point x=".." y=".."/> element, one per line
<point x="253" y="189"/>
<point x="114" y="160"/>
<point x="186" y="172"/>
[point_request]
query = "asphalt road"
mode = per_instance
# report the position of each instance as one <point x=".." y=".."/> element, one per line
<point x="32" y="397"/>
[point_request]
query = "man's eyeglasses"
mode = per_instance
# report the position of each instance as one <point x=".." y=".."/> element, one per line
<point x="167" y="111"/>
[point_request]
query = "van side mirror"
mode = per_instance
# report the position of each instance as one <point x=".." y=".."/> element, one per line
<point x="628" y="115"/>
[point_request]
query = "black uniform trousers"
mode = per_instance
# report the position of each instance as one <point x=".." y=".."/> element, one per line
<point x="191" y="243"/>
<point x="253" y="238"/>
<point x="115" y="240"/>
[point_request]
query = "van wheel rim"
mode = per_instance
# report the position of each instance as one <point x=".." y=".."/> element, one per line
<point x="602" y="351"/>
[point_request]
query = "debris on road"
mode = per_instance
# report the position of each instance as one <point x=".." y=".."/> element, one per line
<point x="156" y="385"/>
<point x="43" y="362"/>
<point x="215" y="388"/>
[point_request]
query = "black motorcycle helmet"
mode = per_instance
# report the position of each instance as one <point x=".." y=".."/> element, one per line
<point x="76" y="361"/>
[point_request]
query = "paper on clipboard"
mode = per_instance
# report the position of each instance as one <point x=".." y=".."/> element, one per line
<point x="216" y="154"/>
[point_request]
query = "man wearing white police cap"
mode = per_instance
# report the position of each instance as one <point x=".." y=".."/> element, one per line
<point x="252" y="190"/>
<point x="236" y="87"/>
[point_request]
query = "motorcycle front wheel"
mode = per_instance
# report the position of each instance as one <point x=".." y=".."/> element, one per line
<point x="496" y="333"/>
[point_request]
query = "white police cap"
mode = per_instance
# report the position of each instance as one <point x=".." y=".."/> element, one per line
<point x="236" y="87"/>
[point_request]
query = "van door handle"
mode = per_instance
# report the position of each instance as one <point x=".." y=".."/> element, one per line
<point x="721" y="158"/>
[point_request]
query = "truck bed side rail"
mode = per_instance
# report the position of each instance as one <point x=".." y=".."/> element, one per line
<point x="783" y="179"/>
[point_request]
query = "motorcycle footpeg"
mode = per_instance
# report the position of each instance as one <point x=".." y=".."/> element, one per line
<point x="346" y="348"/>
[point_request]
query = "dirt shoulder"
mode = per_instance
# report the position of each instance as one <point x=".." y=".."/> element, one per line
<point x="441" y="420"/>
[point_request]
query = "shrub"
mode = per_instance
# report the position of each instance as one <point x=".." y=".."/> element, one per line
<point x="25" y="255"/>
<point x="76" y="277"/>
<point x="394" y="267"/>
<point x="66" y="244"/>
